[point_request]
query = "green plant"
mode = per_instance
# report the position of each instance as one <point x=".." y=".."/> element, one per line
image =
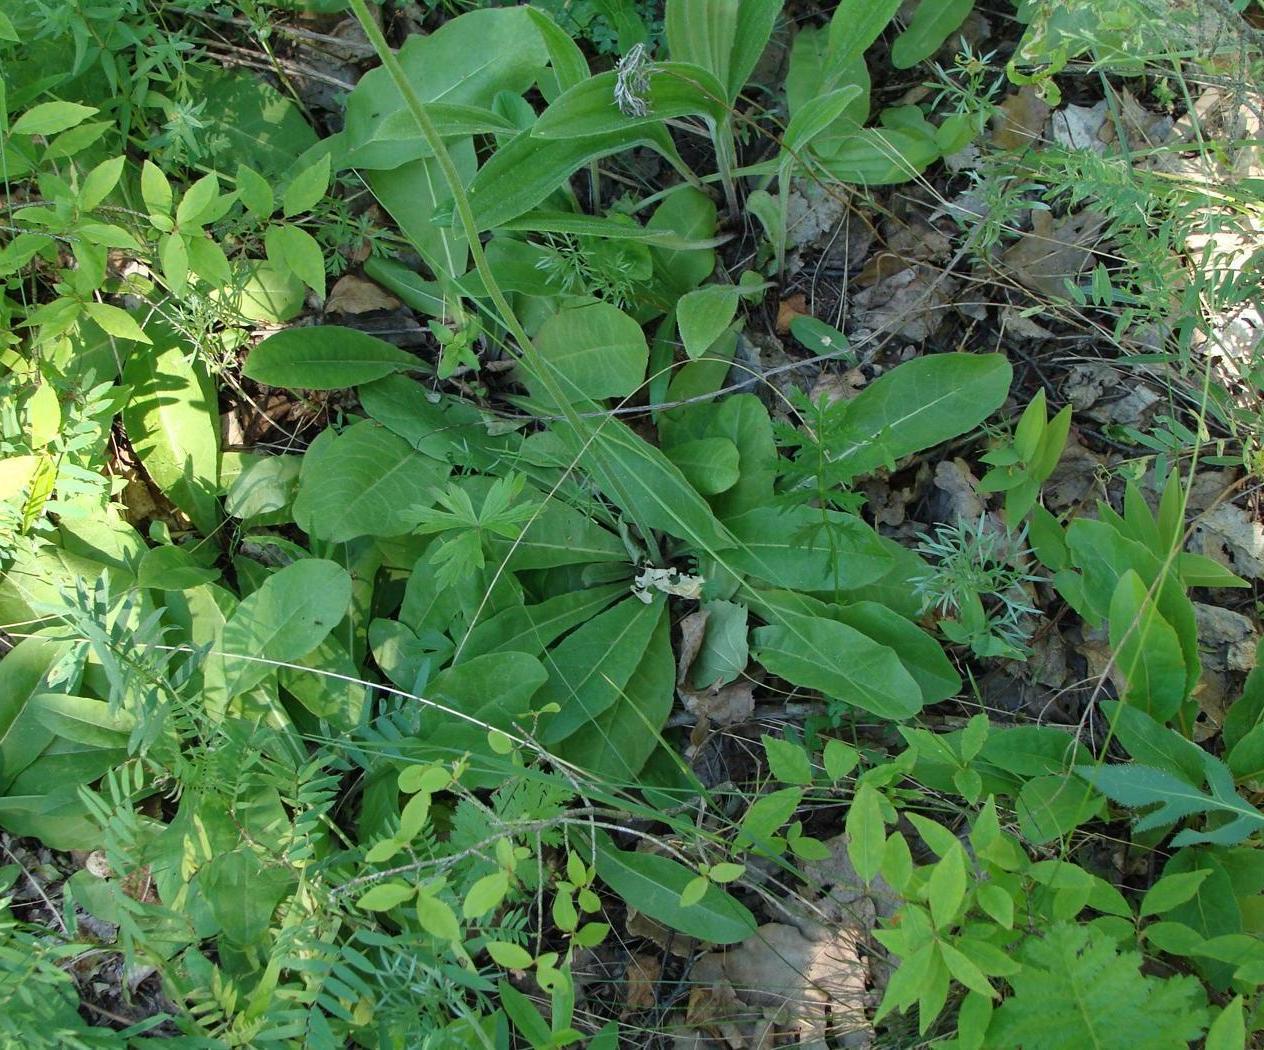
<point x="976" y="585"/>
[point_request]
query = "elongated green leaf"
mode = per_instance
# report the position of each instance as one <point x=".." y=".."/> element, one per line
<point x="676" y="89"/>
<point x="932" y="23"/>
<point x="83" y="720"/>
<point x="172" y="421"/>
<point x="494" y="691"/>
<point x="641" y="480"/>
<point x="806" y="549"/>
<point x="602" y="226"/>
<point x="593" y="351"/>
<point x="467" y="61"/>
<point x="365" y="481"/>
<point x="652" y="884"/>
<point x="618" y="742"/>
<point x="590" y="668"/>
<point x="840" y="662"/>
<point x="23" y="675"/>
<point x="878" y="156"/>
<point x="532" y="628"/>
<point x="558" y="535"/>
<point x="920" y="404"/>
<point x="326" y="358"/>
<point x="243" y="891"/>
<point x="816" y="115"/>
<point x="1147" y="650"/>
<point x="285" y="619"/>
<point x="857" y="23"/>
<point x="526" y="169"/>
<point x="724" y="37"/>
<point x="920" y="654"/>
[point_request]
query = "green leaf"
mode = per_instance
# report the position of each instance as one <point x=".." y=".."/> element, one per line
<point x="1228" y="1031"/>
<point x="24" y="675"/>
<point x="49" y="118"/>
<point x="307" y="188"/>
<point x="100" y="182"/>
<point x="840" y="662"/>
<point x="116" y="322"/>
<point x="155" y="189"/>
<point x="593" y="351"/>
<point x="15" y="473"/>
<point x="1136" y="786"/>
<point x="1051" y="806"/>
<point x="243" y="892"/>
<point x="266" y="485"/>
<point x="386" y="895"/>
<point x="931" y="25"/>
<point x="172" y="421"/>
<point x="284" y="620"/>
<point x="788" y="762"/>
<point x="920" y="404"/>
<point x="653" y="885"/>
<point x="866" y="832"/>
<point x="815" y="116"/>
<point x="1147" y="651"/>
<point x="172" y="569"/>
<point x="645" y="484"/>
<point x="509" y="955"/>
<point x="251" y="122"/>
<point x="710" y="465"/>
<point x="590" y="667"/>
<point x="325" y="358"/>
<point x="946" y="888"/>
<point x="255" y="192"/>
<point x="526" y="169"/>
<point x="467" y="61"/>
<point x="723" y="38"/>
<point x="857" y="24"/>
<point x="1172" y="890"/>
<point x="725" y="650"/>
<point x="485" y="895"/>
<point x="589" y="109"/>
<point x="1075" y="990"/>
<point x="921" y="655"/>
<point x="438" y="919"/>
<point x="365" y="481"/>
<point x="617" y="743"/>
<point x="803" y="548"/>
<point x="294" y="249"/>
<point x="703" y="315"/>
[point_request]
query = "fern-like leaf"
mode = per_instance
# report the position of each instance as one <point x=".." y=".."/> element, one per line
<point x="1076" y="991"/>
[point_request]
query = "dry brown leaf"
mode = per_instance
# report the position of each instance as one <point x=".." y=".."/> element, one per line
<point x="355" y="295"/>
<point x="790" y="308"/>
<point x="820" y="981"/>
<point x="640" y="988"/>
<point x="960" y="488"/>
<point x="1020" y="119"/>
<point x="1051" y="254"/>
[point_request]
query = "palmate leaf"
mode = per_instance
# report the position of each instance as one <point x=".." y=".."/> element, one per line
<point x="1076" y="991"/>
<point x="1137" y="786"/>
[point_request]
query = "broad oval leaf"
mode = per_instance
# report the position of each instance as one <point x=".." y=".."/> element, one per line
<point x="365" y="481"/>
<point x="172" y="421"/>
<point x="326" y="358"/>
<point x="593" y="351"/>
<point x="290" y="614"/>
<point x="703" y="314"/>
